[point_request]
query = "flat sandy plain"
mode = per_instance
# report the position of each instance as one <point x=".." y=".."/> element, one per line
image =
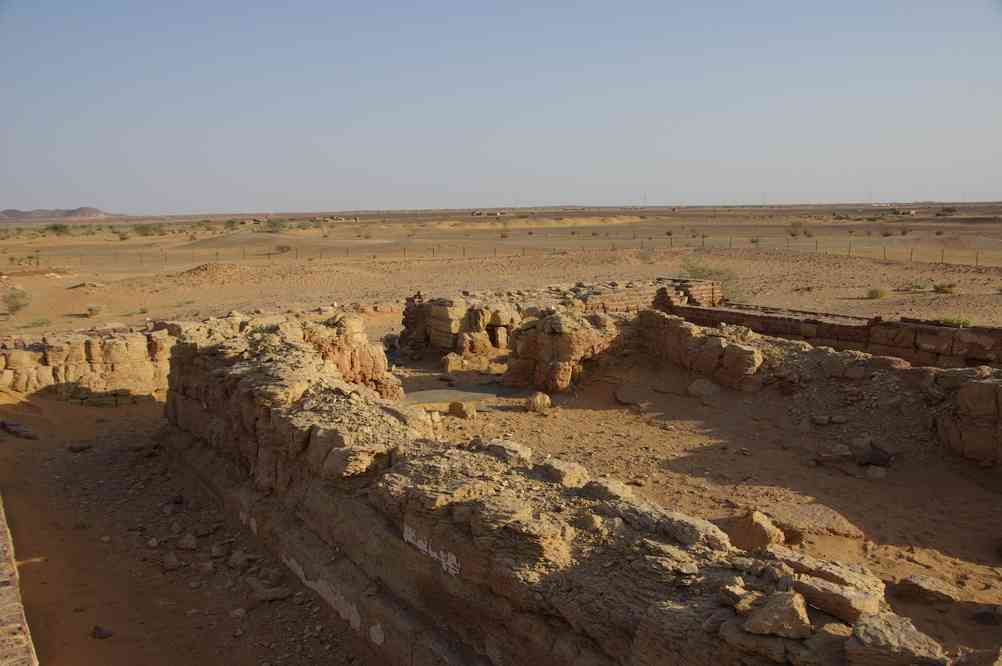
<point x="200" y="268"/>
<point x="82" y="521"/>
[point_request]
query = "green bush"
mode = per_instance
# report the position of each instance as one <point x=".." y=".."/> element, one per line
<point x="156" y="229"/>
<point x="875" y="293"/>
<point x="58" y="229"/>
<point x="944" y="288"/>
<point x="727" y="278"/>
<point x="274" y="226"/>
<point x="16" y="299"/>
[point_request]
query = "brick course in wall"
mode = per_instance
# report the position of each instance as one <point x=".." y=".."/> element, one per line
<point x="918" y="342"/>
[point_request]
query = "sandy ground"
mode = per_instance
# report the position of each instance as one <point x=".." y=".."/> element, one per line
<point x="80" y="281"/>
<point x="82" y="524"/>
<point x="748" y="452"/>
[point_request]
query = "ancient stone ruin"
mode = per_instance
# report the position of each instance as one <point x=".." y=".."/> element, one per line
<point x="489" y="553"/>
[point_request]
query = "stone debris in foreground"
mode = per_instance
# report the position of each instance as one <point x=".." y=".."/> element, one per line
<point x="531" y="560"/>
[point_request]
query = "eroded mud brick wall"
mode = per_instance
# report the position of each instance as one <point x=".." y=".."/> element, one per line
<point x="78" y="365"/>
<point x="965" y="403"/>
<point x="489" y="554"/>
<point x="137" y="363"/>
<point x="918" y="342"/>
<point x="971" y="426"/>
<point x="476" y="323"/>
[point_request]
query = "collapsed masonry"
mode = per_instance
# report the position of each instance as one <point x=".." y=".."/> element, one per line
<point x="490" y="554"/>
<point x="549" y="347"/>
<point x="479" y="322"/>
<point x="101" y="366"/>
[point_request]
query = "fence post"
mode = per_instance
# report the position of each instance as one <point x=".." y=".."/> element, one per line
<point x="816" y="245"/>
<point x="850" y="248"/>
<point x="885" y="253"/>
<point x="942" y="256"/>
<point x="911" y="254"/>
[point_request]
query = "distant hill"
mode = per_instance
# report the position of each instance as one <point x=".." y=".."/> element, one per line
<point x="12" y="214"/>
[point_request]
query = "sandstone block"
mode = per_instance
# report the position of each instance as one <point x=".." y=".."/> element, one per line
<point x="840" y="601"/>
<point x="753" y="531"/>
<point x="783" y="614"/>
<point x="537" y="402"/>
<point x="567" y="474"/>
<point x="886" y="639"/>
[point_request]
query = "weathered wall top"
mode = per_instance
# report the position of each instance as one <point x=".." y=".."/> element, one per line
<point x="490" y="554"/>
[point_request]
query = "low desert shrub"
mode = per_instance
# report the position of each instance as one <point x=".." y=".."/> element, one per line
<point x="944" y="287"/>
<point x="956" y="321"/>
<point x="149" y="229"/>
<point x="274" y="226"/>
<point x="728" y="279"/>
<point x="94" y="310"/>
<point x="16" y="299"/>
<point x="876" y="292"/>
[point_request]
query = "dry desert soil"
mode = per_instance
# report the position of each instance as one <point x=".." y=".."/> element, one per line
<point x="93" y="502"/>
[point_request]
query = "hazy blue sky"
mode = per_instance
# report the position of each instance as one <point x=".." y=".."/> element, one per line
<point x="318" y="105"/>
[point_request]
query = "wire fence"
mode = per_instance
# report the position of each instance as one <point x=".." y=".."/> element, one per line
<point x="898" y="250"/>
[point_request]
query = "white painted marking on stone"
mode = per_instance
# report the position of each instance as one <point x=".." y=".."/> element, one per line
<point x="333" y="596"/>
<point x="448" y="561"/>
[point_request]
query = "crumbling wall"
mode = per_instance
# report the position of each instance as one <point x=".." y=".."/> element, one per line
<point x="459" y="325"/>
<point x="489" y="554"/>
<point x="16" y="645"/>
<point x="548" y="352"/>
<point x="963" y="403"/>
<point x="918" y="342"/>
<point x="137" y="362"/>
<point x="133" y="363"/>
<point x="970" y="424"/>
<point x="477" y="323"/>
<point x="704" y="351"/>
